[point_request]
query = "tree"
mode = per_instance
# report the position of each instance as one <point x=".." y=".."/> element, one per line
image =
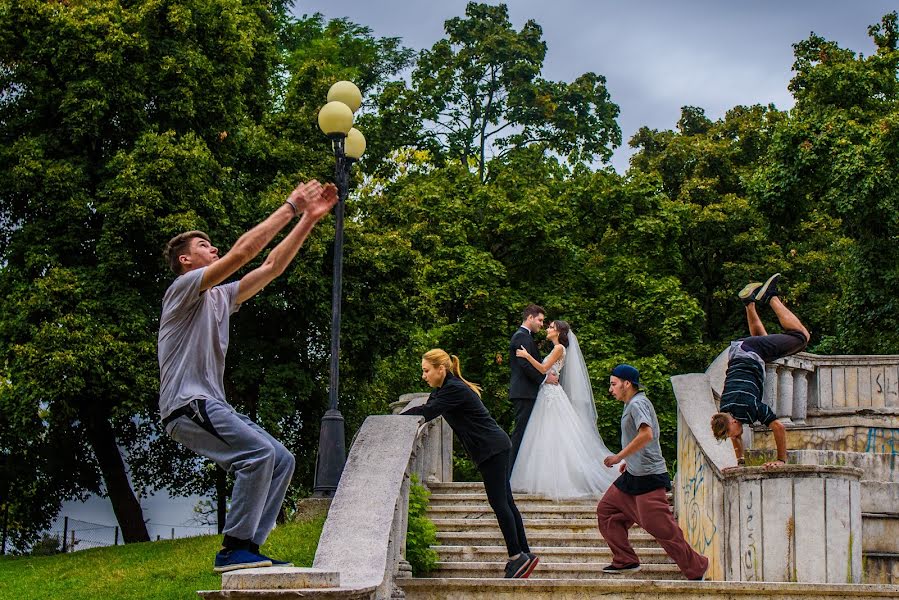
<point x="479" y="93"/>
<point x="837" y="155"/>
<point x="109" y="143"/>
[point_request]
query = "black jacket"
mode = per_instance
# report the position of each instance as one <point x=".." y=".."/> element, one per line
<point x="467" y="415"/>
<point x="526" y="380"/>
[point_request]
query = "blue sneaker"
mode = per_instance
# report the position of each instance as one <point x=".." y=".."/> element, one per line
<point x="231" y="560"/>
<point x="275" y="562"/>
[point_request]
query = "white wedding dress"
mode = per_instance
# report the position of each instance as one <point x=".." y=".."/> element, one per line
<point x="561" y="452"/>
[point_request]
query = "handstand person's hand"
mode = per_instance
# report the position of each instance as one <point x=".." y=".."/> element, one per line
<point x="304" y="193"/>
<point x="321" y="204"/>
<point x="774" y="464"/>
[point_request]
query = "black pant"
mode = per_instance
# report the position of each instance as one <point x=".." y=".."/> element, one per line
<point x="495" y="471"/>
<point x="777" y="345"/>
<point x="523" y="409"/>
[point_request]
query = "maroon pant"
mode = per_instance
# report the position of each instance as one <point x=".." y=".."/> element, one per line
<point x="617" y="512"/>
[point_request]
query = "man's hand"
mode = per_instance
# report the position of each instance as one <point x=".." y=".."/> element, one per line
<point x="774" y="464"/>
<point x="322" y="204"/>
<point x="614" y="459"/>
<point x="552" y="378"/>
<point x="303" y="194"/>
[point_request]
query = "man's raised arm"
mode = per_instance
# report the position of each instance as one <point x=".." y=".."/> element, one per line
<point x="250" y="244"/>
<point x="282" y="254"/>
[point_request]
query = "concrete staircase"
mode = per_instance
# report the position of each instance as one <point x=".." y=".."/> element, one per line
<point x="572" y="553"/>
<point x="563" y="535"/>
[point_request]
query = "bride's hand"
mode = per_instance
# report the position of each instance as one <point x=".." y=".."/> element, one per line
<point x="521" y="352"/>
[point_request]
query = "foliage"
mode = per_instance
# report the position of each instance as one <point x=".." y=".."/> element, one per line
<point x="837" y="156"/>
<point x="479" y="89"/>
<point x="163" y="570"/>
<point x="478" y="196"/>
<point x="108" y="133"/>
<point x="421" y="533"/>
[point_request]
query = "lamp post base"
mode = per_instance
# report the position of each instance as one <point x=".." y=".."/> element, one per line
<point x="331" y="455"/>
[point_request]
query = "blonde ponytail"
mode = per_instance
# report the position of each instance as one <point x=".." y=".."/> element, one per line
<point x="439" y="358"/>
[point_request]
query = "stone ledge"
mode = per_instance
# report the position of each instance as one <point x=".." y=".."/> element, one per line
<point x="789" y="470"/>
<point x="566" y="589"/>
<point x="280" y="578"/>
<point x="319" y="594"/>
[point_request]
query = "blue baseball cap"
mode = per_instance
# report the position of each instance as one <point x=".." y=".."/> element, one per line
<point x="627" y="373"/>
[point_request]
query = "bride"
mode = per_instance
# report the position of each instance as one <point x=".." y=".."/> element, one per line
<point x="562" y="454"/>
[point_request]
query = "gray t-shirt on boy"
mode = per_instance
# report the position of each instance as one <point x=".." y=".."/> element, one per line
<point x="648" y="460"/>
<point x="193" y="340"/>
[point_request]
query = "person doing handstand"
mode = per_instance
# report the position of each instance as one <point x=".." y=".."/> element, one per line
<point x="744" y="382"/>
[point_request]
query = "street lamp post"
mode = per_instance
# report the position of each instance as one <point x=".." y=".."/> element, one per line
<point x="336" y="120"/>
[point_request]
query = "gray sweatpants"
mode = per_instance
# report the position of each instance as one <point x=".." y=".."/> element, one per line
<point x="262" y="466"/>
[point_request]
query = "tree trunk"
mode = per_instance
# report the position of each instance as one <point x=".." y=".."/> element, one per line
<point x="124" y="503"/>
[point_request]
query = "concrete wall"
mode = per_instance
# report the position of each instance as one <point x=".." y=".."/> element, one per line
<point x="796" y="523"/>
<point x="800" y="523"/>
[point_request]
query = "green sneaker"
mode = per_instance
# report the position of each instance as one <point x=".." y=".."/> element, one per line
<point x="749" y="293"/>
<point x="768" y="290"/>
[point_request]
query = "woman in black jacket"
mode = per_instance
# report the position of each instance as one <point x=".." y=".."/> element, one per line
<point x="459" y="402"/>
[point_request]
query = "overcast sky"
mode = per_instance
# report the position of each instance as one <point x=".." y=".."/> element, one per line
<point x="656" y="55"/>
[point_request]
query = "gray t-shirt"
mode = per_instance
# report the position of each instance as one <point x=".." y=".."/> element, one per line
<point x="193" y="340"/>
<point x="648" y="460"/>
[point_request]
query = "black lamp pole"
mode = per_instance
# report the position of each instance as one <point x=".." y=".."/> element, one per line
<point x="331" y="450"/>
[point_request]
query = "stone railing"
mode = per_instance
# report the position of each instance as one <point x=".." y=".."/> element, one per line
<point x="758" y="525"/>
<point x="360" y="552"/>
<point x="806" y="384"/>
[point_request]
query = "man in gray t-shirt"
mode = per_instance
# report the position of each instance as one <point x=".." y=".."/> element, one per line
<point x="193" y="342"/>
<point x="639" y="495"/>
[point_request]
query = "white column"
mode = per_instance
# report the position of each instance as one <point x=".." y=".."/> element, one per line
<point x="800" y="396"/>
<point x="784" y="408"/>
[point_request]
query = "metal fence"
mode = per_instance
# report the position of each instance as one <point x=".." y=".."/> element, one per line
<point x="81" y="535"/>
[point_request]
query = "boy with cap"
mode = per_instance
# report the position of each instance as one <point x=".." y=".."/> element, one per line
<point x="639" y="495"/>
<point x="744" y="383"/>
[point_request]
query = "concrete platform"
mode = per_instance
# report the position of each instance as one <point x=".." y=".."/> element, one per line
<point x="633" y="589"/>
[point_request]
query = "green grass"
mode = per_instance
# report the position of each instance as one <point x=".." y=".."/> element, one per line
<point x="157" y="570"/>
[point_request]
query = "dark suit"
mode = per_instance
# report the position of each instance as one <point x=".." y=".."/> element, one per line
<point x="524" y="384"/>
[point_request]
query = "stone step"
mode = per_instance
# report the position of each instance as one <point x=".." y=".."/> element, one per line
<point x="616" y="587"/>
<point x="881" y="567"/>
<point x="469" y="487"/>
<point x="473" y="499"/>
<point x="537" y="511"/>
<point x="880" y="496"/>
<point x="880" y="532"/>
<point x="548" y="554"/>
<point x="876" y="466"/>
<point x="551" y="570"/>
<point x="551" y="539"/>
<point x="488" y="523"/>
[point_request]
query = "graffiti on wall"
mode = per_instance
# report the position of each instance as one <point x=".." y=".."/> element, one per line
<point x="750" y="554"/>
<point x="697" y="518"/>
<point x="882" y="440"/>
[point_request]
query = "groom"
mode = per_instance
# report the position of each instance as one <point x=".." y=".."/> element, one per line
<point x="526" y="380"/>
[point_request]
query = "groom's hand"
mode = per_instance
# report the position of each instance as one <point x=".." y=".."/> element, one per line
<point x="552" y="378"/>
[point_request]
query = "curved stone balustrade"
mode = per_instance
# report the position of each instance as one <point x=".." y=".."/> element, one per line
<point x="751" y="523"/>
<point x="805" y="384"/>
<point x="360" y="552"/>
